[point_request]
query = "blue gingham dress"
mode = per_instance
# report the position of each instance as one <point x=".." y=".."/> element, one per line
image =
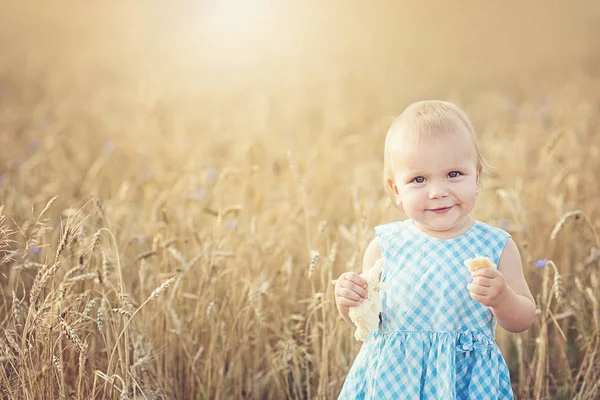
<point x="434" y="341"/>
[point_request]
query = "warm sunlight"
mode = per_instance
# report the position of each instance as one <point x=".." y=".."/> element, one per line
<point x="240" y="25"/>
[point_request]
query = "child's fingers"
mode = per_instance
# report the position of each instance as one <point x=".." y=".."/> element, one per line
<point x="356" y="288"/>
<point x="483" y="281"/>
<point x="481" y="299"/>
<point x="353" y="283"/>
<point x="355" y="278"/>
<point x="478" y="289"/>
<point x="486" y="273"/>
<point x="347" y="302"/>
<point x="349" y="294"/>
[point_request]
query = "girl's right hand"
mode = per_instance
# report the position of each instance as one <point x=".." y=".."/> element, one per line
<point x="350" y="290"/>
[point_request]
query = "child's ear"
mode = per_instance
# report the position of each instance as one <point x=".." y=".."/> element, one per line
<point x="394" y="189"/>
<point x="392" y="186"/>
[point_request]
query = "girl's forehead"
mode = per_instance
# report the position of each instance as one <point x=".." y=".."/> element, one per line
<point x="442" y="152"/>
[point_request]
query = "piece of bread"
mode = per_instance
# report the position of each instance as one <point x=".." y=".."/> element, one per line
<point x="477" y="263"/>
<point x="365" y="316"/>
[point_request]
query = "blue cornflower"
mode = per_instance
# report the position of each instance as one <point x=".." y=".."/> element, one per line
<point x="541" y="263"/>
<point x="35" y="250"/>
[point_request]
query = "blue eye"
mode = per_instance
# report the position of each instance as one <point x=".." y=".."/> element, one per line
<point x="418" y="179"/>
<point x="454" y="174"/>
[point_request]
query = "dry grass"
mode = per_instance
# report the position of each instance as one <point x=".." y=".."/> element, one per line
<point x="163" y="246"/>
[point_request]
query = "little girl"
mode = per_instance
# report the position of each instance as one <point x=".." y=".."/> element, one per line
<point x="436" y="333"/>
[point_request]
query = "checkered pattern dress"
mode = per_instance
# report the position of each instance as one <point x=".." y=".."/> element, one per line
<point x="434" y="341"/>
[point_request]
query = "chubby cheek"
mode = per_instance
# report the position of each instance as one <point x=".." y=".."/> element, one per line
<point x="413" y="201"/>
<point x="467" y="194"/>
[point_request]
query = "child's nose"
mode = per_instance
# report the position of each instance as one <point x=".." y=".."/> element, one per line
<point x="437" y="190"/>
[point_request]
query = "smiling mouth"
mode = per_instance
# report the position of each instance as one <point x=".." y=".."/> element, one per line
<point x="440" y="210"/>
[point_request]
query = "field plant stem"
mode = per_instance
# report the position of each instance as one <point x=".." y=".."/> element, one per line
<point x="122" y="288"/>
<point x="540" y="377"/>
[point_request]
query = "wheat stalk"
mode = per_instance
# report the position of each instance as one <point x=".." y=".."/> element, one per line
<point x="576" y="214"/>
<point x="145" y="255"/>
<point x="558" y="285"/>
<point x="176" y="321"/>
<point x="29" y="265"/>
<point x="63" y="243"/>
<point x="122" y="311"/>
<point x="57" y="364"/>
<point x="197" y="357"/>
<point x="82" y="277"/>
<point x="314" y="260"/>
<point x="72" y="335"/>
<point x="596" y="311"/>
<point x="82" y="296"/>
<point x="155" y="293"/>
<point x="40" y="281"/>
<point x="81" y="373"/>
<point x="162" y="288"/>
<point x="16" y="309"/>
<point x="89" y="307"/>
<point x="96" y="240"/>
<point x="542" y="340"/>
<point x="210" y="308"/>
<point x="74" y="270"/>
<point x="106" y="268"/>
<point x="332" y="255"/>
<point x="99" y="318"/>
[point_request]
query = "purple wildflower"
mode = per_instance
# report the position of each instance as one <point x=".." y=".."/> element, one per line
<point x="45" y="122"/>
<point x="147" y="171"/>
<point x="109" y="146"/>
<point x="184" y="143"/>
<point x="36" y="250"/>
<point x="4" y="94"/>
<point x="200" y="194"/>
<point x="510" y="104"/>
<point x="211" y="175"/>
<point x="35" y="145"/>
<point x="541" y="263"/>
<point x="141" y="239"/>
<point x="233" y="224"/>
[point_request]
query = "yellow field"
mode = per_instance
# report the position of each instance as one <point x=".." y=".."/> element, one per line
<point x="238" y="150"/>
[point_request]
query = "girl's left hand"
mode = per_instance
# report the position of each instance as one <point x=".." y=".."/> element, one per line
<point x="488" y="287"/>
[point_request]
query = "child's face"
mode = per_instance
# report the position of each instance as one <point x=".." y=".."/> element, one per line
<point x="436" y="183"/>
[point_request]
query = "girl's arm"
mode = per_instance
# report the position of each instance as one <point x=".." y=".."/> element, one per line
<point x="505" y="291"/>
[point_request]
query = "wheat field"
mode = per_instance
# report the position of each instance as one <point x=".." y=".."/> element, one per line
<point x="180" y="183"/>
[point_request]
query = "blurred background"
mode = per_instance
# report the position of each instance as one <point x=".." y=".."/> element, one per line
<point x="237" y="147"/>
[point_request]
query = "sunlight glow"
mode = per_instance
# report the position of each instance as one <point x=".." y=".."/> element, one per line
<point x="233" y="23"/>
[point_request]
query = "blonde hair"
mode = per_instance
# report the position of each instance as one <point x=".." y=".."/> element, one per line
<point x="428" y="119"/>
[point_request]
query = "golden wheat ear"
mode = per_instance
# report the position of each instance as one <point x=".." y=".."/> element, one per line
<point x="477" y="263"/>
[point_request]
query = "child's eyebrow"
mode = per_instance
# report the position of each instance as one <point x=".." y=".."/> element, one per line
<point x="421" y="172"/>
<point x="458" y="168"/>
<point x="415" y="172"/>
